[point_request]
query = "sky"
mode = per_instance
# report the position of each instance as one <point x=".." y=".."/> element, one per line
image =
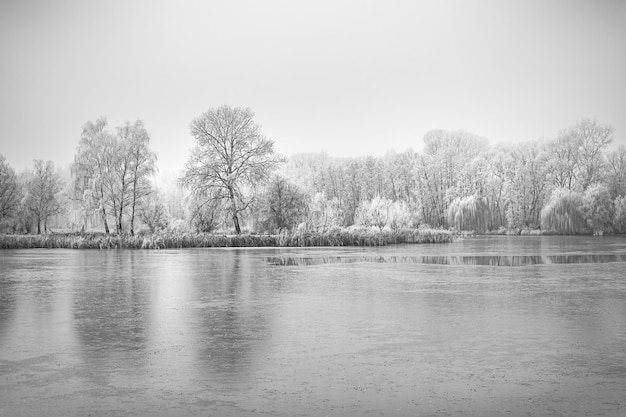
<point x="348" y="78"/>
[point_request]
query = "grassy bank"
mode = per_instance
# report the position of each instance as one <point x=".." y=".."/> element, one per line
<point x="172" y="240"/>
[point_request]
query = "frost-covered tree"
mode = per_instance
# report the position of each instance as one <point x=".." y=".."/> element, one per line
<point x="10" y="194"/>
<point x="43" y="193"/>
<point x="137" y="164"/>
<point x="619" y="218"/>
<point x="324" y="214"/>
<point x="469" y="213"/>
<point x="112" y="171"/>
<point x="598" y="208"/>
<point x="526" y="187"/>
<point x="153" y="213"/>
<point x="204" y="213"/>
<point x="230" y="158"/>
<point x="374" y="213"/>
<point x="563" y="213"/>
<point x="282" y="206"/>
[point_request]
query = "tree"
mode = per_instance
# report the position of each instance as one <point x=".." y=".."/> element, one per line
<point x="563" y="160"/>
<point x="374" y="213"/>
<point x="141" y="164"/>
<point x="619" y="219"/>
<point x="43" y="193"/>
<point x="563" y="213"/>
<point x="283" y="205"/>
<point x="153" y="213"/>
<point x="616" y="171"/>
<point x="91" y="169"/>
<point x="441" y="169"/>
<point x="231" y="157"/>
<point x="598" y="208"/>
<point x="469" y="213"/>
<point x="579" y="154"/>
<point x="527" y="186"/>
<point x="9" y="190"/>
<point x="324" y="213"/>
<point x="112" y="171"/>
<point x="593" y="140"/>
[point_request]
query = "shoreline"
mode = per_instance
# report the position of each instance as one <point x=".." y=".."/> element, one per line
<point x="178" y="240"/>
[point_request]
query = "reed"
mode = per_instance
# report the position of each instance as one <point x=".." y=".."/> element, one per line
<point x="176" y="240"/>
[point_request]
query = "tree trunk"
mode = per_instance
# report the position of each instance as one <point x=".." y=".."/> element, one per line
<point x="38" y="225"/>
<point x="236" y="221"/>
<point x="234" y="209"/>
<point x="119" y="223"/>
<point x="132" y="209"/>
<point x="104" y="220"/>
<point x="132" y="220"/>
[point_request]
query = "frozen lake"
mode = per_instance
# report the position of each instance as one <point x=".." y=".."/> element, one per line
<point x="491" y="326"/>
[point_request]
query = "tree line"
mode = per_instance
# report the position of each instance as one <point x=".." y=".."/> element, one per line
<point x="234" y="181"/>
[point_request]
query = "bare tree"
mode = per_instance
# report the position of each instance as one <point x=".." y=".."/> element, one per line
<point x="283" y="205"/>
<point x="204" y="212"/>
<point x="43" y="193"/>
<point x="153" y="212"/>
<point x="231" y="157"/>
<point x="9" y="190"/>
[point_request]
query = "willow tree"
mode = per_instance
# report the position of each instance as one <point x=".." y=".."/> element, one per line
<point x="563" y="213"/>
<point x="469" y="213"/>
<point x="230" y="159"/>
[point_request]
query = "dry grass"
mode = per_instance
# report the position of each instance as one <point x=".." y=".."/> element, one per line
<point x="171" y="240"/>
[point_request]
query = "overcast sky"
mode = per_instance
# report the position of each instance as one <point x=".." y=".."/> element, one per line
<point x="345" y="77"/>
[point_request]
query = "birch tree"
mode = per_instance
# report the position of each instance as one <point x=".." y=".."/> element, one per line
<point x="112" y="170"/>
<point x="138" y="165"/>
<point x="91" y="168"/>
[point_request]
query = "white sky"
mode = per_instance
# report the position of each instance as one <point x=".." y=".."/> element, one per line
<point x="345" y="77"/>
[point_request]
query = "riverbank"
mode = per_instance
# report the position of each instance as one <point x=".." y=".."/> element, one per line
<point x="176" y="240"/>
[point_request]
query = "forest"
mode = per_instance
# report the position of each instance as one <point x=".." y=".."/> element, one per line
<point x="235" y="183"/>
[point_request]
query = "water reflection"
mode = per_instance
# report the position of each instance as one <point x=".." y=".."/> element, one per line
<point x="110" y="301"/>
<point x="8" y="302"/>
<point x="488" y="260"/>
<point x="33" y="299"/>
<point x="232" y="316"/>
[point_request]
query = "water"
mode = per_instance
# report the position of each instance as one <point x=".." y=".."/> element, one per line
<point x="481" y="327"/>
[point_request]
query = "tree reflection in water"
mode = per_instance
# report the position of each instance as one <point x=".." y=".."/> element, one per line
<point x="110" y="311"/>
<point x="233" y="323"/>
<point x="489" y="260"/>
